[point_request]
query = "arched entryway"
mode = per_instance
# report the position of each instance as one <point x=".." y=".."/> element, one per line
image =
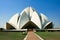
<point x="30" y="26"/>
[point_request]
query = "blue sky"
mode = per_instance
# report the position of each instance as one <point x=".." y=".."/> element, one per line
<point x="51" y="8"/>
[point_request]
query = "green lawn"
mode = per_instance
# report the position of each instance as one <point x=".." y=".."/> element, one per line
<point x="12" y="35"/>
<point x="49" y="35"/>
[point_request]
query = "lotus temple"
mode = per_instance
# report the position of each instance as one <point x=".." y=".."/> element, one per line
<point x="29" y="18"/>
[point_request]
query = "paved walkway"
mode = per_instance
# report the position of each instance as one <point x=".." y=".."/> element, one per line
<point x="32" y="36"/>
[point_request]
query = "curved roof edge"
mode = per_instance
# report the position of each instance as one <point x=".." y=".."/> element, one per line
<point x="35" y="19"/>
<point x="23" y="19"/>
<point x="43" y="18"/>
<point x="47" y="24"/>
<point x="13" y="20"/>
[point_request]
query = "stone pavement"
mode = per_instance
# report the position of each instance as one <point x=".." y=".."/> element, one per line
<point x="32" y="36"/>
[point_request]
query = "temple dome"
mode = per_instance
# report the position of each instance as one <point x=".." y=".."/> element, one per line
<point x="29" y="18"/>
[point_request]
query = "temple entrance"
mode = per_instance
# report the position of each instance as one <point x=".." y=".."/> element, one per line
<point x="30" y="26"/>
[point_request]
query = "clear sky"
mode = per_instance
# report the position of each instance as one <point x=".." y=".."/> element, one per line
<point x="51" y="8"/>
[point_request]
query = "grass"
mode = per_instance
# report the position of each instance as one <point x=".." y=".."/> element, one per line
<point x="12" y="35"/>
<point x="49" y="35"/>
